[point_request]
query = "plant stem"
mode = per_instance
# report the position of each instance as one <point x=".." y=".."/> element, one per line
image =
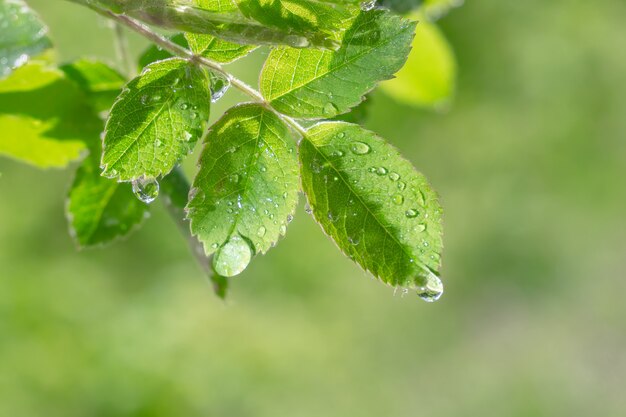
<point x="182" y="52"/>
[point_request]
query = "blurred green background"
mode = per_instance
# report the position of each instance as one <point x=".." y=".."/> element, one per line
<point x="529" y="163"/>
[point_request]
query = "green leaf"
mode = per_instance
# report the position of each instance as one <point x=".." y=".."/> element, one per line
<point x="357" y="115"/>
<point x="377" y="208"/>
<point x="101" y="83"/>
<point x="217" y="49"/>
<point x="246" y="189"/>
<point x="220" y="18"/>
<point x="23" y="35"/>
<point x="40" y="131"/>
<point x="308" y="18"/>
<point x="100" y="210"/>
<point x="322" y="84"/>
<point x="156" y="121"/>
<point x="428" y="77"/>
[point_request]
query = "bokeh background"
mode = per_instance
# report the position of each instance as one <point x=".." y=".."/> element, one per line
<point x="529" y="161"/>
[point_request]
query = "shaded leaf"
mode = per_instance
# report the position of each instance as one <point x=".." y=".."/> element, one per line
<point x="100" y="83"/>
<point x="246" y="188"/>
<point x="36" y="132"/>
<point x="217" y="49"/>
<point x="156" y="121"/>
<point x="23" y="35"/>
<point x="377" y="208"/>
<point x="100" y="210"/>
<point x="322" y="84"/>
<point x="211" y="17"/>
<point x="428" y="77"/>
<point x="155" y="53"/>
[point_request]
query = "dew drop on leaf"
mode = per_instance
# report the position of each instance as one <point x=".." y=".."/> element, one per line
<point x="398" y="199"/>
<point x="233" y="257"/>
<point x="381" y="171"/>
<point x="360" y="148"/>
<point x="410" y="213"/>
<point x="297" y="41"/>
<point x="329" y="109"/>
<point x="394" y="176"/>
<point x="146" y="189"/>
<point x="401" y="186"/>
<point x="261" y="231"/>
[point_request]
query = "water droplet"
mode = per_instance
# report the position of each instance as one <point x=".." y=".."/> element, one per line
<point x="297" y="41"/>
<point x="337" y="154"/>
<point x="289" y="218"/>
<point x="431" y="289"/>
<point x="341" y="135"/>
<point x="332" y="217"/>
<point x="421" y="228"/>
<point x="261" y="231"/>
<point x="232" y="258"/>
<point x="354" y="240"/>
<point x="394" y="176"/>
<point x="307" y="208"/>
<point x="262" y="168"/>
<point x="360" y="148"/>
<point x="215" y="246"/>
<point x="283" y="229"/>
<point x="234" y="178"/>
<point x="421" y="198"/>
<point x="398" y="199"/>
<point x="146" y="189"/>
<point x="401" y="186"/>
<point x="330" y="109"/>
<point x="381" y="171"/>
<point x="410" y="213"/>
<point x="219" y="86"/>
<point x="184" y="106"/>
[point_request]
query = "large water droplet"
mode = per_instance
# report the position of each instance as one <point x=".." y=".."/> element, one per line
<point x="381" y="171"/>
<point x="431" y="289"/>
<point x="360" y="148"/>
<point x="146" y="189"/>
<point x="233" y="257"/>
<point x="219" y="86"/>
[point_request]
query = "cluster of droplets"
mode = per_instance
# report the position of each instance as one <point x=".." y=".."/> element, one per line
<point x="146" y="189"/>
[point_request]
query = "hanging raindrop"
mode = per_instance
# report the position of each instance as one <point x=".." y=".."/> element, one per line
<point x="233" y="257"/>
<point x="219" y="86"/>
<point x="146" y="189"/>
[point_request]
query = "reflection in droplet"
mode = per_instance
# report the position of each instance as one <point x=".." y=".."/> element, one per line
<point x="431" y="289"/>
<point x="146" y="189"/>
<point x="410" y="213"/>
<point x="219" y="86"/>
<point x="360" y="148"/>
<point x="398" y="199"/>
<point x="233" y="257"/>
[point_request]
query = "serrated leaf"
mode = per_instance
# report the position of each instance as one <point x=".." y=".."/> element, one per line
<point x="34" y="130"/>
<point x="100" y="83"/>
<point x="156" y="121"/>
<point x="428" y="77"/>
<point x="100" y="210"/>
<point x="322" y="84"/>
<point x="247" y="186"/>
<point x="23" y="35"/>
<point x="377" y="208"/>
<point x="217" y="49"/>
<point x="308" y="18"/>
<point x="211" y="17"/>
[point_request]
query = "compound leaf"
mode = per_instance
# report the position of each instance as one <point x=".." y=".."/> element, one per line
<point x="156" y="121"/>
<point x="23" y="35"/>
<point x="246" y="189"/>
<point x="100" y="210"/>
<point x="377" y="208"/>
<point x="312" y="83"/>
<point x="428" y="77"/>
<point x="100" y="83"/>
<point x="38" y="132"/>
